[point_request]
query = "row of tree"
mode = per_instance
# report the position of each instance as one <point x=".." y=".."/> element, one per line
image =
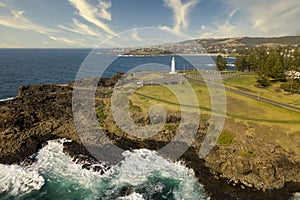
<point x="270" y="65"/>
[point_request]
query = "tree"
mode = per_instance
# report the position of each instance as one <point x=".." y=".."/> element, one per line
<point x="293" y="70"/>
<point x="277" y="71"/>
<point x="270" y="62"/>
<point x="263" y="81"/>
<point x="241" y="63"/>
<point x="252" y="62"/>
<point x="292" y="86"/>
<point x="221" y="63"/>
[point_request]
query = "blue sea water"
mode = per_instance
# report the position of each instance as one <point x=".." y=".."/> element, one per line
<point x="52" y="66"/>
<point x="37" y="66"/>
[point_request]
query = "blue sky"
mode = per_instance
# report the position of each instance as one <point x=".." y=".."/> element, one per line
<point x="85" y="23"/>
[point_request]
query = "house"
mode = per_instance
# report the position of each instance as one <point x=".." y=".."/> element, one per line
<point x="293" y="74"/>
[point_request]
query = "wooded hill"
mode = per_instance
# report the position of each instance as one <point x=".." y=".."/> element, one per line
<point x="235" y="45"/>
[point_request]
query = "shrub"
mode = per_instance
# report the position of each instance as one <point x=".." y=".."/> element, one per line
<point x="135" y="108"/>
<point x="292" y="86"/>
<point x="247" y="153"/>
<point x="263" y="81"/>
<point x="226" y="138"/>
<point x="100" y="113"/>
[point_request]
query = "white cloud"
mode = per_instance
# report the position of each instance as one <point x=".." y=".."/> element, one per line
<point x="232" y="13"/>
<point x="171" y="31"/>
<point x="2" y="4"/>
<point x="104" y="6"/>
<point x="10" y="46"/>
<point x="92" y="14"/>
<point x="181" y="12"/>
<point x="75" y="42"/>
<point x="19" y="21"/>
<point x="80" y="28"/>
<point x="62" y="39"/>
<point x="271" y="17"/>
<point x="135" y="36"/>
<point x="226" y="29"/>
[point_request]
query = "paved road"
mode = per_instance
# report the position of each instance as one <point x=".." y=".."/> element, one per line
<point x="276" y="103"/>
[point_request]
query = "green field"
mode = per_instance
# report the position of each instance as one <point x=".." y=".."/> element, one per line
<point x="247" y="83"/>
<point x="245" y="117"/>
<point x="238" y="107"/>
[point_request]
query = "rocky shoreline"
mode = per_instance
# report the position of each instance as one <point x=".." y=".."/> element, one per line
<point x="44" y="112"/>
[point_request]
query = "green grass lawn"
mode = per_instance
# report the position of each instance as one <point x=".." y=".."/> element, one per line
<point x="245" y="117"/>
<point x="246" y="83"/>
<point x="238" y="106"/>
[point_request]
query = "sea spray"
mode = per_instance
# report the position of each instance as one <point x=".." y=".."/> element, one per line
<point x="296" y="196"/>
<point x="6" y="99"/>
<point x="16" y="180"/>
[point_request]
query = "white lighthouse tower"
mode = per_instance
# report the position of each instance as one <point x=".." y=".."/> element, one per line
<point x="173" y="64"/>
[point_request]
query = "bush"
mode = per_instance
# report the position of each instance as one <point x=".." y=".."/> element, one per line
<point x="247" y="153"/>
<point x="292" y="86"/>
<point x="226" y="138"/>
<point x="170" y="127"/>
<point x="263" y="81"/>
<point x="100" y="113"/>
<point x="221" y="63"/>
<point x="135" y="108"/>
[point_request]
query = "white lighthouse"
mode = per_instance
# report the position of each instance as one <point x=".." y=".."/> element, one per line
<point x="173" y="64"/>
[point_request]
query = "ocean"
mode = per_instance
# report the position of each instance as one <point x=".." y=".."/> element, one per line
<point x="37" y="66"/>
<point x="54" y="175"/>
<point x="52" y="66"/>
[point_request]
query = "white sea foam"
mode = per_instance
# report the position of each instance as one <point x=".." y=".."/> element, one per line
<point x="133" y="196"/>
<point x="7" y="99"/>
<point x="52" y="161"/>
<point x="17" y="180"/>
<point x="296" y="196"/>
<point x="136" y="168"/>
<point x="139" y="164"/>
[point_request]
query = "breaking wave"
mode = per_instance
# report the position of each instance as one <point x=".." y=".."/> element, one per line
<point x="143" y="174"/>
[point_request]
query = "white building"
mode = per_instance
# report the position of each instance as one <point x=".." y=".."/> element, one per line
<point x="173" y="66"/>
<point x="293" y="74"/>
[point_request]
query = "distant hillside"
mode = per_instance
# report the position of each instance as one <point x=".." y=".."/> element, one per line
<point x="231" y="45"/>
<point x="254" y="41"/>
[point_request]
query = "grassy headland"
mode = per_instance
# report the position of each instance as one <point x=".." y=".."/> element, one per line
<point x="245" y="117"/>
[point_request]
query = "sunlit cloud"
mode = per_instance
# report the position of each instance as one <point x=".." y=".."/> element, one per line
<point x="223" y="30"/>
<point x="10" y="46"/>
<point x="17" y="20"/>
<point x="270" y="17"/>
<point x="180" y="12"/>
<point x="135" y="36"/>
<point x="62" y="39"/>
<point x="93" y="14"/>
<point x="80" y="28"/>
<point x="172" y="31"/>
<point x="103" y="7"/>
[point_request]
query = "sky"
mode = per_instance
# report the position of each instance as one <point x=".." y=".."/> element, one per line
<point x="85" y="23"/>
